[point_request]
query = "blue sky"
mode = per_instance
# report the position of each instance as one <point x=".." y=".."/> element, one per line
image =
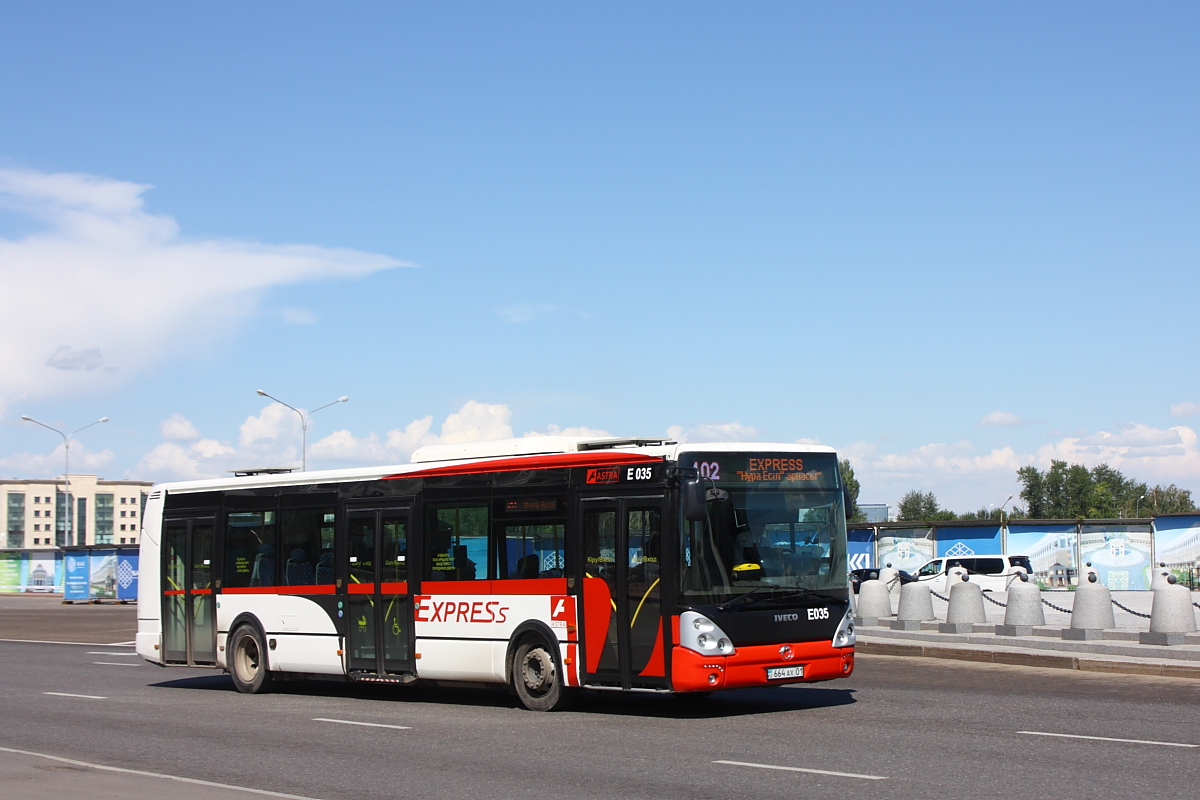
<point x="947" y="240"/>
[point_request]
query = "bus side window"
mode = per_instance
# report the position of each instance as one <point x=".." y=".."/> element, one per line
<point x="250" y="549"/>
<point x="307" y="546"/>
<point x="456" y="542"/>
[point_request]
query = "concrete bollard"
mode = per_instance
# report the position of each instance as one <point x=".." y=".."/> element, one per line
<point x="1087" y="570"/>
<point x="966" y="608"/>
<point x="1160" y="575"/>
<point x="1092" y="612"/>
<point x="1171" y="616"/>
<point x="891" y="579"/>
<point x="955" y="576"/>
<point x="1024" y="611"/>
<point x="874" y="603"/>
<point x="916" y="606"/>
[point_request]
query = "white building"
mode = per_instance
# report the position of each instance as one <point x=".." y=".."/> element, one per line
<point x="102" y="512"/>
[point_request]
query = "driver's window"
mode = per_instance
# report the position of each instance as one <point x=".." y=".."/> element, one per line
<point x="932" y="568"/>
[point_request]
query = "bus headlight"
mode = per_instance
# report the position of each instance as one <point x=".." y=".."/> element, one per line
<point x="700" y="634"/>
<point x="844" y="636"/>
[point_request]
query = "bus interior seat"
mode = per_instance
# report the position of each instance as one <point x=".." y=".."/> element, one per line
<point x="299" y="571"/>
<point x="527" y="566"/>
<point x="264" y="567"/>
<point x="325" y="568"/>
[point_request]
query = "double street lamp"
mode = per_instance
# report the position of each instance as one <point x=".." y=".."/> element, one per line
<point x="303" y="422"/>
<point x="66" y="437"/>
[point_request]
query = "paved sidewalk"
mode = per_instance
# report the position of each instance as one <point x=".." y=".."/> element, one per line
<point x="1119" y="651"/>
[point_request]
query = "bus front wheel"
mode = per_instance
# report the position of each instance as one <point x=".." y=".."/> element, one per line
<point x="248" y="661"/>
<point x="536" y="678"/>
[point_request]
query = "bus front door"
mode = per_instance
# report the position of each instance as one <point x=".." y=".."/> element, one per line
<point x="189" y="614"/>
<point x="622" y="626"/>
<point x="378" y="605"/>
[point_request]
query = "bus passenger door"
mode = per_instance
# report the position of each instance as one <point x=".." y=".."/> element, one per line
<point x="189" y="613"/>
<point x="622" y="630"/>
<point x="378" y="605"/>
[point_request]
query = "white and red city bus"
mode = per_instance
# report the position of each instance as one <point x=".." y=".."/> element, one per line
<point x="549" y="564"/>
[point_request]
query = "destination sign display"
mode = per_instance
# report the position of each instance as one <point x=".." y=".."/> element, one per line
<point x="792" y="470"/>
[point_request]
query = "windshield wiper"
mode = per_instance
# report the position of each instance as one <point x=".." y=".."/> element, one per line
<point x="789" y="596"/>
<point x="742" y="597"/>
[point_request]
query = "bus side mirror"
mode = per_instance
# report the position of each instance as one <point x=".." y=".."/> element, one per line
<point x="691" y="496"/>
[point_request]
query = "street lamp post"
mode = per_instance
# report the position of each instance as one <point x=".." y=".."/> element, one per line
<point x="66" y="437"/>
<point x="1002" y="505"/>
<point x="303" y="422"/>
<point x="1137" y="506"/>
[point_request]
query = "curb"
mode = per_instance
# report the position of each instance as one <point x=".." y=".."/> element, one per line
<point x="1028" y="659"/>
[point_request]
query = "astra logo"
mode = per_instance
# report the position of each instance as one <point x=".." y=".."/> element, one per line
<point x="603" y="475"/>
<point x="787" y="617"/>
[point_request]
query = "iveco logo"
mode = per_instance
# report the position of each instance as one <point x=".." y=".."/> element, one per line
<point x="787" y="617"/>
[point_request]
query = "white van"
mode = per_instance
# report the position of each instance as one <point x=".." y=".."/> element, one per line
<point x="992" y="573"/>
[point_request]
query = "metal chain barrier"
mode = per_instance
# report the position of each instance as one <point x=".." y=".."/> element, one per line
<point x="938" y="596"/>
<point x="1131" y="611"/>
<point x="997" y="602"/>
<point x="1056" y="608"/>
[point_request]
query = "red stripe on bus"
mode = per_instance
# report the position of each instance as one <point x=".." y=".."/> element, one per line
<point x="551" y="461"/>
<point x="597" y="614"/>
<point x="361" y="588"/>
<point x="313" y="589"/>
<point x="394" y="588"/>
<point x="173" y="591"/>
<point x="655" y="666"/>
<point x="201" y="591"/>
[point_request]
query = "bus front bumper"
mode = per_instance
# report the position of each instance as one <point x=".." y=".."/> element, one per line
<point x="760" y="665"/>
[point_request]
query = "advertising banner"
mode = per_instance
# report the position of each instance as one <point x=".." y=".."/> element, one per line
<point x="1051" y="550"/>
<point x="861" y="548"/>
<point x="1177" y="544"/>
<point x="127" y="574"/>
<point x="75" y="575"/>
<point x="103" y="577"/>
<point x="969" y="541"/>
<point x="10" y="572"/>
<point x="1119" y="553"/>
<point x="39" y="572"/>
<point x="908" y="549"/>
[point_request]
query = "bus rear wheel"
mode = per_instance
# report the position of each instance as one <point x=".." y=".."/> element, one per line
<point x="248" y="661"/>
<point x="536" y="678"/>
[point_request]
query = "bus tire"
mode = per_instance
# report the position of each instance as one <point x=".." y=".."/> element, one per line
<point x="537" y="678"/>
<point x="248" y="661"/>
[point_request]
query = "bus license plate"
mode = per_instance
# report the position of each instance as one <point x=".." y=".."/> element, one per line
<point x="779" y="673"/>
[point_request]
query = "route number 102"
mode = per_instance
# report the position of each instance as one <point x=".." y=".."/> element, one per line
<point x="708" y="469"/>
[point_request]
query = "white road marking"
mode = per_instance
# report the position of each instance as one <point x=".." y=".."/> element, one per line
<point x="84" y="696"/>
<point x="368" y="724"/>
<point x="99" y="653"/>
<point x="804" y="769"/>
<point x="116" y="664"/>
<point x="146" y="774"/>
<point x="1108" y="739"/>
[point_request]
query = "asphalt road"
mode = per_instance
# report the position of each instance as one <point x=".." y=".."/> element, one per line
<point x="928" y="728"/>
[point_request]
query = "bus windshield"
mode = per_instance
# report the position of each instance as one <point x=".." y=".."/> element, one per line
<point x="772" y="542"/>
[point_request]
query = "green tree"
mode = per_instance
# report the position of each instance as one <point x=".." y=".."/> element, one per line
<point x="1068" y="491"/>
<point x="853" y="514"/>
<point x="916" y="505"/>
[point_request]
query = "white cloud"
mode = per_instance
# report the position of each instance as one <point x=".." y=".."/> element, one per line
<point x="477" y="422"/>
<point x="554" y="430"/>
<point x="714" y="432"/>
<point x="51" y="464"/>
<point x="122" y="285"/>
<point x="1185" y="409"/>
<point x="1002" y="419"/>
<point x="177" y="428"/>
<point x="65" y="358"/>
<point x="1151" y="454"/>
